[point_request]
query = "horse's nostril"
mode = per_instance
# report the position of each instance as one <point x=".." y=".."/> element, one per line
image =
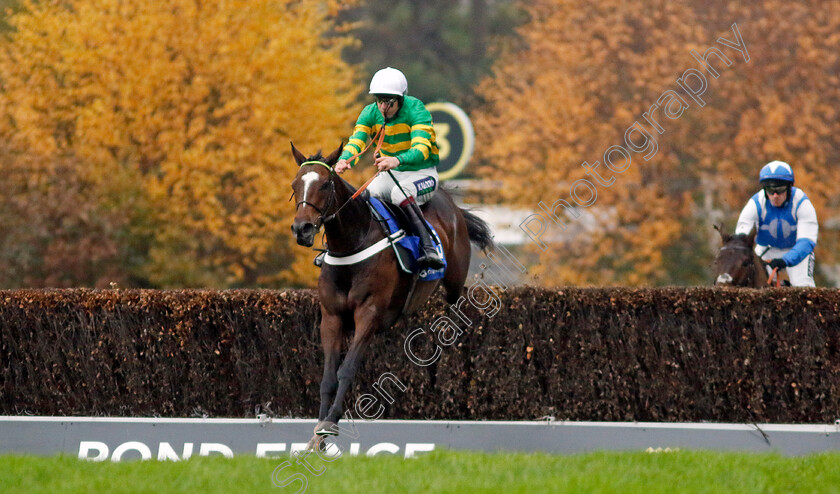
<point x="303" y="229"/>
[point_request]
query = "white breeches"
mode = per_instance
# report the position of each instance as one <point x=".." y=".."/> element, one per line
<point x="420" y="184"/>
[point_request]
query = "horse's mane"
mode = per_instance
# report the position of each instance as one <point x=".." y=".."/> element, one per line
<point x="346" y="183"/>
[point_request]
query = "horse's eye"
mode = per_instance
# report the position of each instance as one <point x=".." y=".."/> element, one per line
<point x="324" y="186"/>
<point x="746" y="262"/>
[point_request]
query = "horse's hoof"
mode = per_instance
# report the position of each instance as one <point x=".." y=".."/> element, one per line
<point x="316" y="444"/>
<point x="326" y="428"/>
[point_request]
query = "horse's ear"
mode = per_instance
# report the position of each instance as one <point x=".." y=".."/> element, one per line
<point x="299" y="157"/>
<point x="724" y="237"/>
<point x="751" y="235"/>
<point x="333" y="157"/>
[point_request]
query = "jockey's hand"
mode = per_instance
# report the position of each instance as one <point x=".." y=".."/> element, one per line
<point x="341" y="166"/>
<point x="386" y="163"/>
<point x="778" y="264"/>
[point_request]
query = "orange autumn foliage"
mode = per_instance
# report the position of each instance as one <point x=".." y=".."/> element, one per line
<point x="178" y="116"/>
<point x="590" y="70"/>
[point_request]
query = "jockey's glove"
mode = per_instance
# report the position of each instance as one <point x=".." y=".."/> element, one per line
<point x="778" y="264"/>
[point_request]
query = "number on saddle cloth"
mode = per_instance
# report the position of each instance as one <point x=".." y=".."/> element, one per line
<point x="407" y="249"/>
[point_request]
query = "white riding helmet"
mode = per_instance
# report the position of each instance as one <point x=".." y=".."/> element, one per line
<point x="388" y="81"/>
<point x="776" y="171"/>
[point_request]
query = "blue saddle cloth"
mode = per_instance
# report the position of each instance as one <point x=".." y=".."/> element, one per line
<point x="407" y="248"/>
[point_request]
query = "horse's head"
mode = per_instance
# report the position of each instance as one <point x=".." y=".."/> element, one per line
<point x="314" y="190"/>
<point x="735" y="263"/>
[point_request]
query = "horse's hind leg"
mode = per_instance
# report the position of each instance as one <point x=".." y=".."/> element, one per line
<point x="457" y="267"/>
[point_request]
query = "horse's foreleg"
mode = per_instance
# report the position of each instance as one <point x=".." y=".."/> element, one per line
<point x="331" y="344"/>
<point x="365" y="328"/>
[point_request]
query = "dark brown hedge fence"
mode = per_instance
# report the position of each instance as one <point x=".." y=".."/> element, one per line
<point x="666" y="354"/>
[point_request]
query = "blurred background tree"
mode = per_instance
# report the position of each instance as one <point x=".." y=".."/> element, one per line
<point x="590" y="70"/>
<point x="54" y="234"/>
<point x="7" y="7"/>
<point x="174" y="118"/>
<point x="444" y="47"/>
<point x="781" y="105"/>
<point x="147" y="144"/>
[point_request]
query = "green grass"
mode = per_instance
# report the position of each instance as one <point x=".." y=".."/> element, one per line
<point x="437" y="472"/>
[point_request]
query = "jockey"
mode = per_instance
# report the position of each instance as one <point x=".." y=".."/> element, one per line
<point x="786" y="224"/>
<point x="409" y="154"/>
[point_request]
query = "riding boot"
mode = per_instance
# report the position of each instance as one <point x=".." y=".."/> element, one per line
<point x="429" y="258"/>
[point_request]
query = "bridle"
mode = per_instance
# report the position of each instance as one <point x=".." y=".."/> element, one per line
<point x="378" y="138"/>
<point x="322" y="217"/>
<point x="323" y="214"/>
<point x="735" y="247"/>
<point x="750" y="278"/>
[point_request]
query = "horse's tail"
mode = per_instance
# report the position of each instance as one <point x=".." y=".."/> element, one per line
<point x="479" y="230"/>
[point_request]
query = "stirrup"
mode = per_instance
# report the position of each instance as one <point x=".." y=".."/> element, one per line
<point x="430" y="262"/>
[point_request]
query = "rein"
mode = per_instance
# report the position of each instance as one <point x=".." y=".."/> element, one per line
<point x="774" y="276"/>
<point x="379" y="138"/>
<point x="773" y="279"/>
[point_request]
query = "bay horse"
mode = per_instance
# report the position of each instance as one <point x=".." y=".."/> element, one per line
<point x="737" y="264"/>
<point x="369" y="296"/>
